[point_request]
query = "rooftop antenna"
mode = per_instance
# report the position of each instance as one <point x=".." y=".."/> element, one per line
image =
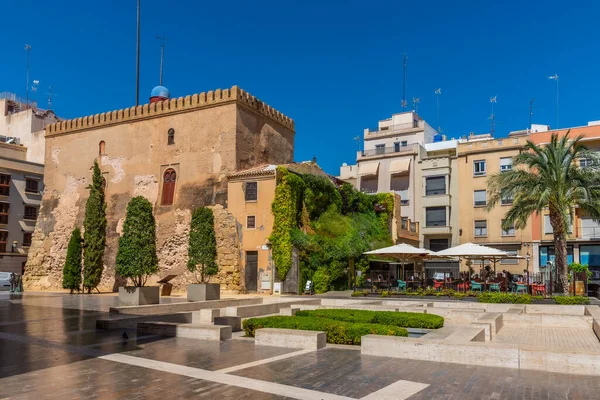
<point x="438" y="92"/>
<point x="404" y="85"/>
<point x="50" y="94"/>
<point x="357" y="139"/>
<point x="493" y="116"/>
<point x="530" y="111"/>
<point x="137" y="59"/>
<point x="555" y="78"/>
<point x="162" y="56"/>
<point x="416" y="102"/>
<point x="28" y="50"/>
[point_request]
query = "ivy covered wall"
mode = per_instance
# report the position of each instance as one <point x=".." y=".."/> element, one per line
<point x="330" y="226"/>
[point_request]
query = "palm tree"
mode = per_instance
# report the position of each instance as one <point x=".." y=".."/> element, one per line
<point x="549" y="177"/>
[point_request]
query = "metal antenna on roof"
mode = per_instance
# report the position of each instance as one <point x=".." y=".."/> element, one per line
<point x="416" y="102"/>
<point x="28" y="50"/>
<point x="493" y="116"/>
<point x="555" y="78"/>
<point x="137" y="59"/>
<point x="530" y="111"/>
<point x="357" y="139"/>
<point x="438" y="92"/>
<point x="162" y="56"/>
<point x="50" y="94"/>
<point x="404" y="85"/>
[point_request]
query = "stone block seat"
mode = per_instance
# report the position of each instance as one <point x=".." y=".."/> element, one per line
<point x="291" y="338"/>
<point x="191" y="331"/>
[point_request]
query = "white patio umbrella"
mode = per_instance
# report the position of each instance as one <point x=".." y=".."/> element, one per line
<point x="472" y="251"/>
<point x="402" y="252"/>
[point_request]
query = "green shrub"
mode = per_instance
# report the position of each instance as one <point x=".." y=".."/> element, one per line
<point x="401" y="319"/>
<point x="72" y="268"/>
<point x="572" y="300"/>
<point x="338" y="332"/>
<point x="385" y="293"/>
<point x="202" y="248"/>
<point x="136" y="255"/>
<point x="505" y="298"/>
<point x="360" y="293"/>
<point x="94" y="232"/>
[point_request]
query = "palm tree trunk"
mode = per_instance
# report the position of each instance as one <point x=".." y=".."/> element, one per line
<point x="560" y="252"/>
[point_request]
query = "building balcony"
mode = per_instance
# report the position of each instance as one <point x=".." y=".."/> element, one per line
<point x="392" y="130"/>
<point x="407" y="230"/>
<point x="389" y="151"/>
<point x="436" y="200"/>
<point x="436" y="230"/>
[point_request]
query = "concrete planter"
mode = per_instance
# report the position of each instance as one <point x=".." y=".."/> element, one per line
<point x="139" y="296"/>
<point x="203" y="291"/>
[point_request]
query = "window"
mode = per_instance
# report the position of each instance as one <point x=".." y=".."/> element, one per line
<point x="171" y="136"/>
<point x="505" y="164"/>
<point x="31" y="185"/>
<point x="251" y="222"/>
<point x="4" y="184"/>
<point x="480" y="228"/>
<point x="4" y="207"/>
<point x="506" y="199"/>
<point x="480" y="198"/>
<point x="508" y="232"/>
<point x="101" y="148"/>
<point x="251" y="191"/>
<point x="404" y="143"/>
<point x="590" y="255"/>
<point x="380" y="149"/>
<point x="3" y="240"/>
<point x="512" y="253"/>
<point x="548" y="226"/>
<point x="547" y="254"/>
<point x="30" y="213"/>
<point x="27" y="238"/>
<point x="585" y="162"/>
<point x="435" y="216"/>
<point x="396" y="146"/>
<point x="168" y="190"/>
<point x="438" y="244"/>
<point x="479" y="168"/>
<point x="435" y="185"/>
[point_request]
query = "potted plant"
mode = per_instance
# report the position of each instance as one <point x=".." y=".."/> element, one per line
<point x="202" y="253"/>
<point x="578" y="286"/>
<point x="136" y="256"/>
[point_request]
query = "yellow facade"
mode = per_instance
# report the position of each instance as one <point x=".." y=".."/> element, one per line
<point x="477" y="161"/>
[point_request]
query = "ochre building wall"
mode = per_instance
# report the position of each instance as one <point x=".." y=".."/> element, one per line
<point x="216" y="133"/>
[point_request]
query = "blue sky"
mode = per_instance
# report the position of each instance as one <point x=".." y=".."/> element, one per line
<point x="335" y="67"/>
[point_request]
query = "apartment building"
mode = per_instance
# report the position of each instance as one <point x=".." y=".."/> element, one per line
<point x="22" y="147"/>
<point x="583" y="241"/>
<point x="480" y="156"/>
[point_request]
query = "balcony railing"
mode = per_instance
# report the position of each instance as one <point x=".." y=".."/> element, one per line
<point x="387" y="150"/>
<point x="409" y="227"/>
<point x="397" y="127"/>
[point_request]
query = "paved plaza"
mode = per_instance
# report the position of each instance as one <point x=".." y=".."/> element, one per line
<point x="51" y="350"/>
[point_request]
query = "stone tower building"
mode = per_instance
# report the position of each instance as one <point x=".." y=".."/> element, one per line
<point x="177" y="153"/>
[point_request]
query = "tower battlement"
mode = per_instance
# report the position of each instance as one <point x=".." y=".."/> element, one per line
<point x="172" y="106"/>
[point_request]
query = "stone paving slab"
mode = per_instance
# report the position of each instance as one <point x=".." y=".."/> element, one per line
<point x="548" y="338"/>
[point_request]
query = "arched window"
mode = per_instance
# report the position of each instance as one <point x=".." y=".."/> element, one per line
<point x="171" y="136"/>
<point x="168" y="190"/>
<point x="101" y="148"/>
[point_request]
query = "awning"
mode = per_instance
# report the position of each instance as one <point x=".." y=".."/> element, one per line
<point x="368" y="168"/>
<point x="400" y="166"/>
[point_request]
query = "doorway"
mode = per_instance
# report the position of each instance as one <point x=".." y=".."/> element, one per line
<point x="251" y="270"/>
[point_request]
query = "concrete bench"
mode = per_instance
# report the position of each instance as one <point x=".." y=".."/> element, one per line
<point x="265" y="309"/>
<point x="491" y="322"/>
<point x="191" y="331"/>
<point x="234" y="322"/>
<point x="184" y="306"/>
<point x="290" y="312"/>
<point x="291" y="338"/>
<point x="466" y="335"/>
<point x="206" y="316"/>
<point x="517" y="311"/>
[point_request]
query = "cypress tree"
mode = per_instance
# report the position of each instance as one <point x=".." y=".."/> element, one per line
<point x="136" y="256"/>
<point x="72" y="268"/>
<point x="94" y="236"/>
<point x="202" y="249"/>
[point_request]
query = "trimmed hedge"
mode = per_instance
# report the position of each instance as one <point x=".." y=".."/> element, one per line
<point x="392" y="318"/>
<point x="487" y="297"/>
<point x="338" y="332"/>
<point x="572" y="300"/>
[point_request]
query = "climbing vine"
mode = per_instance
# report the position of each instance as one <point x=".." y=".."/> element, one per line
<point x="328" y="225"/>
<point x="287" y="210"/>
